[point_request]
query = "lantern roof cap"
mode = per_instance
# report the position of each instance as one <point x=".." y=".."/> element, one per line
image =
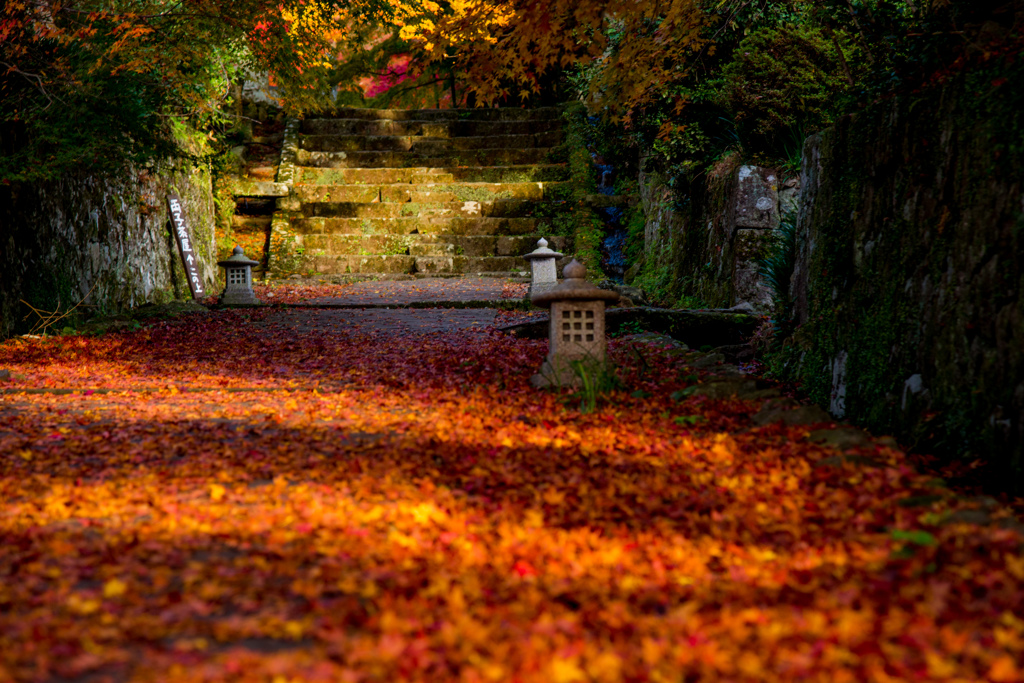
<point x="237" y="259"/>
<point x="542" y="251"/>
<point x="574" y="288"/>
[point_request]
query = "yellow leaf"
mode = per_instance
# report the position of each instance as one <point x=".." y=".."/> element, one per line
<point x="939" y="666"/>
<point x="114" y="588"/>
<point x="1003" y="669"/>
<point x="217" y="492"/>
<point x="1014" y="565"/>
<point x="605" y="667"/>
<point x="566" y="671"/>
<point x="83" y="607"/>
<point x="293" y="629"/>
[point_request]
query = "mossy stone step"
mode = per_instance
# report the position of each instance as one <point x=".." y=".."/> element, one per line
<point x="341" y="264"/>
<point x="425" y="145"/>
<point x="432" y="193"/>
<point x="523" y="173"/>
<point x="495" y="114"/>
<point x="444" y="193"/>
<point x="443" y="129"/>
<point x="395" y="193"/>
<point x="378" y="159"/>
<point x="498" y="208"/>
<point x="423" y="225"/>
<point x="372" y="176"/>
<point x="425" y="245"/>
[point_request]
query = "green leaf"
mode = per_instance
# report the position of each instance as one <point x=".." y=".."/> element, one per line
<point x="683" y="393"/>
<point x="914" y="537"/>
<point x="918" y="501"/>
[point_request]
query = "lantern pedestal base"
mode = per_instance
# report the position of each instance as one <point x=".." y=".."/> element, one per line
<point x="567" y="372"/>
<point x="238" y="296"/>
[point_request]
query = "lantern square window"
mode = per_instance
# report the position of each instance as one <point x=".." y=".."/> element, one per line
<point x="578" y="314"/>
<point x="565" y="337"/>
<point x="590" y="326"/>
<point x="590" y="337"/>
<point x="578" y="326"/>
<point x="590" y="314"/>
<point x="236" y="276"/>
<point x="566" y="314"/>
<point x="579" y="337"/>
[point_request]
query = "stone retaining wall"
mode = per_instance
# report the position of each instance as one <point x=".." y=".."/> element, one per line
<point x="711" y="246"/>
<point x="60" y="240"/>
<point x="910" y="268"/>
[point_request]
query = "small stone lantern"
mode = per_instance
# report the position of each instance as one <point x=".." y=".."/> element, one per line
<point x="238" y="279"/>
<point x="576" y="331"/>
<point x="542" y="267"/>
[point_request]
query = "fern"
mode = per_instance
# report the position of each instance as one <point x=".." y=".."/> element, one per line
<point x="776" y="267"/>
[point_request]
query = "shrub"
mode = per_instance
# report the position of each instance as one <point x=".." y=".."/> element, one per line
<point x="782" y="83"/>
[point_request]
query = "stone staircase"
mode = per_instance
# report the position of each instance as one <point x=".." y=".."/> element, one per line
<point x="423" y="192"/>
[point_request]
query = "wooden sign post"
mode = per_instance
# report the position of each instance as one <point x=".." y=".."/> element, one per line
<point x="188" y="257"/>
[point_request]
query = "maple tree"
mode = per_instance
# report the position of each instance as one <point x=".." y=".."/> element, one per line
<point x="249" y="504"/>
<point x="505" y="48"/>
<point x="93" y="85"/>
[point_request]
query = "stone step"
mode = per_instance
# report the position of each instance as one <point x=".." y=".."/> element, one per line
<point x="423" y="175"/>
<point x="495" y="114"/>
<point x="400" y="264"/>
<point x="510" y="174"/>
<point x="435" y="193"/>
<point x="378" y="159"/>
<point x="426" y="145"/>
<point x="424" y="245"/>
<point x="423" y="225"/>
<point x="430" y="129"/>
<point x="498" y="208"/>
<point x="372" y="176"/>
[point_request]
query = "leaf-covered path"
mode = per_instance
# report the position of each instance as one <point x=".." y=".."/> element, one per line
<point x="400" y="505"/>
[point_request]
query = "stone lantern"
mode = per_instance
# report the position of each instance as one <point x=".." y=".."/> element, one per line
<point x="542" y="260"/>
<point x="576" y="332"/>
<point x="238" y="279"/>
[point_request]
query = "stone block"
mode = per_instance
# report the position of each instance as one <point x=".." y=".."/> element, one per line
<point x="256" y="188"/>
<point x="749" y="246"/>
<point x="757" y="198"/>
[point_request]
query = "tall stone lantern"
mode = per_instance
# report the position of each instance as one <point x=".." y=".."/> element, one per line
<point x="238" y="279"/>
<point x="576" y="333"/>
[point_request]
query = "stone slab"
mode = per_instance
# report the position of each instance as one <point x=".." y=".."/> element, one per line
<point x="258" y="188"/>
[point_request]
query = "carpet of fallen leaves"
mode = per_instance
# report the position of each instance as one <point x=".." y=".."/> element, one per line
<point x="416" y="512"/>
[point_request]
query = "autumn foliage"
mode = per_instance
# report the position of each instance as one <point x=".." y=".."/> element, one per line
<point x="506" y="48"/>
<point x="272" y="496"/>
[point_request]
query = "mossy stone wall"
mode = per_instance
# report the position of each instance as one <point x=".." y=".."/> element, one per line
<point x="910" y="268"/>
<point x="702" y="251"/>
<point x="59" y="240"/>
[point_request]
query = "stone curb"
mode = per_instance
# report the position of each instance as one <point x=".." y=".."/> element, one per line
<point x="696" y="328"/>
<point x="498" y="304"/>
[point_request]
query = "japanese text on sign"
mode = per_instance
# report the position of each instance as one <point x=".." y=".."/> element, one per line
<point x="188" y="257"/>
